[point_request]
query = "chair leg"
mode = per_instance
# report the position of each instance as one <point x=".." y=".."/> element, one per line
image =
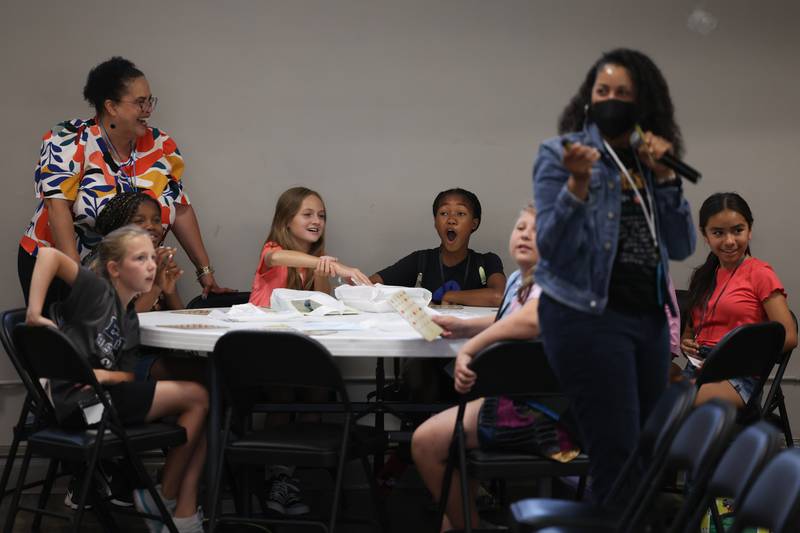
<point x="10" y="458"/>
<point x="12" y="451"/>
<point x="47" y="488"/>
<point x="86" y="486"/>
<point x="581" y="488"/>
<point x="377" y="501"/>
<point x="785" y="426"/>
<point x="465" y="499"/>
<point x="447" y="481"/>
<point x="12" y="510"/>
<point x="337" y="488"/>
<point x="166" y="518"/>
<point x="100" y="505"/>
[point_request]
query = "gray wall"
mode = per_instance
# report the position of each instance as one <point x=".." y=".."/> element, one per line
<point x="379" y="105"/>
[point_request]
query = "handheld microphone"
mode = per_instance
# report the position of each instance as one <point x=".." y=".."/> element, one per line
<point x="668" y="160"/>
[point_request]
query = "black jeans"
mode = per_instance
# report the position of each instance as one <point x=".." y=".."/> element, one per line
<point x="613" y="367"/>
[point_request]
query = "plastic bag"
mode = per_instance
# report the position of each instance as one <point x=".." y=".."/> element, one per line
<point x="375" y="299"/>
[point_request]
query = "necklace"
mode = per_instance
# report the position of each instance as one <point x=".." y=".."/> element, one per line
<point x="115" y="155"/>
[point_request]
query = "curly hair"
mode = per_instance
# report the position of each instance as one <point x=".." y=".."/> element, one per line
<point x="107" y="81"/>
<point x="119" y="211"/>
<point x="653" y="103"/>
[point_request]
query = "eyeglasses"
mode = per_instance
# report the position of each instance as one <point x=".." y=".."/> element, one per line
<point x="145" y="104"/>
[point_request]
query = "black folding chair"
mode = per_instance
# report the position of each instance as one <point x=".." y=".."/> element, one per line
<point x="533" y="514"/>
<point x="748" y="350"/>
<point x="509" y="368"/>
<point x="694" y="453"/>
<point x="47" y="353"/>
<point x="742" y="462"/>
<point x="774" y="406"/>
<point x="246" y="363"/>
<point x="28" y="422"/>
<point x="225" y="299"/>
<point x="773" y="501"/>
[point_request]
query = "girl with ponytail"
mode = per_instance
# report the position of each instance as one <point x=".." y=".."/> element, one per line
<point x="730" y="289"/>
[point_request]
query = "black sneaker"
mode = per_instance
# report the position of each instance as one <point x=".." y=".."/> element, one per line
<point x="121" y="491"/>
<point x="117" y="475"/>
<point x="74" y="490"/>
<point x="285" y="497"/>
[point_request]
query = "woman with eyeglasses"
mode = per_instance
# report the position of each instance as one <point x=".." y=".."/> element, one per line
<point x="85" y="163"/>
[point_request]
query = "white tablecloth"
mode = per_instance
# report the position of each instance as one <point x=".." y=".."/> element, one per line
<point x="362" y="335"/>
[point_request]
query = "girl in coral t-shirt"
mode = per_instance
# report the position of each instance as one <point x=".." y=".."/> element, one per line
<point x="293" y="255"/>
<point x="730" y="289"/>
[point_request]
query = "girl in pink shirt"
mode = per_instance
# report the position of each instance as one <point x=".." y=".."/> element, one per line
<point x="730" y="289"/>
<point x="293" y="255"/>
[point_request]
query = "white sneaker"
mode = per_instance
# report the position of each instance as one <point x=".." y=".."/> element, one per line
<point x="144" y="503"/>
<point x="189" y="524"/>
<point x="285" y="496"/>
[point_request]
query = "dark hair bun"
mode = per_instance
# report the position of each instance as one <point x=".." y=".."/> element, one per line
<point x="107" y="81"/>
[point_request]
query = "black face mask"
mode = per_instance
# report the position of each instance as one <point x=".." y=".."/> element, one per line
<point x="613" y="117"/>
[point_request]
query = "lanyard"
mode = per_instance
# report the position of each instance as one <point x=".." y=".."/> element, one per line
<point x="466" y="270"/>
<point x="705" y="317"/>
<point x="131" y="160"/>
<point x="649" y="216"/>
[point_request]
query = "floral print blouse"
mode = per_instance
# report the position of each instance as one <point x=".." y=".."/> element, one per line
<point x="75" y="164"/>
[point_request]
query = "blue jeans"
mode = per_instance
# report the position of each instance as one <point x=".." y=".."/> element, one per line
<point x="613" y="367"/>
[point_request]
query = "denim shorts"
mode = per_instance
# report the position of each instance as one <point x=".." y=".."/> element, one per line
<point x="744" y="386"/>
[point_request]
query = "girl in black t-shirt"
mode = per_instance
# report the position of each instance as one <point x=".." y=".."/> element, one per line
<point x="452" y="272"/>
<point x="99" y="317"/>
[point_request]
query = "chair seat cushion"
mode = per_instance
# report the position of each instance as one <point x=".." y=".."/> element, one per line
<point x="485" y="464"/>
<point x="77" y="444"/>
<point x="304" y="444"/>
<point x="535" y="513"/>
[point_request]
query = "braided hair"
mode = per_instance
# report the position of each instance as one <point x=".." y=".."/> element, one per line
<point x="119" y="211"/>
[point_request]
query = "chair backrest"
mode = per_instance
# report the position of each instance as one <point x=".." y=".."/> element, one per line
<point x="701" y="439"/>
<point x="654" y="438"/>
<point x="8" y="321"/>
<point x="740" y="464"/>
<point x="513" y="368"/>
<point x="682" y="295"/>
<point x="697" y="446"/>
<point x="748" y="350"/>
<point x="782" y="362"/>
<point x="47" y="353"/>
<point x="664" y="420"/>
<point x="225" y="299"/>
<point x="246" y="360"/>
<point x="773" y="501"/>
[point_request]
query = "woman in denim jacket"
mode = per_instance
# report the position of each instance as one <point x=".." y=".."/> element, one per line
<point x="610" y="218"/>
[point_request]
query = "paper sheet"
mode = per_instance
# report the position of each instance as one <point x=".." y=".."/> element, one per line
<point x="415" y="315"/>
